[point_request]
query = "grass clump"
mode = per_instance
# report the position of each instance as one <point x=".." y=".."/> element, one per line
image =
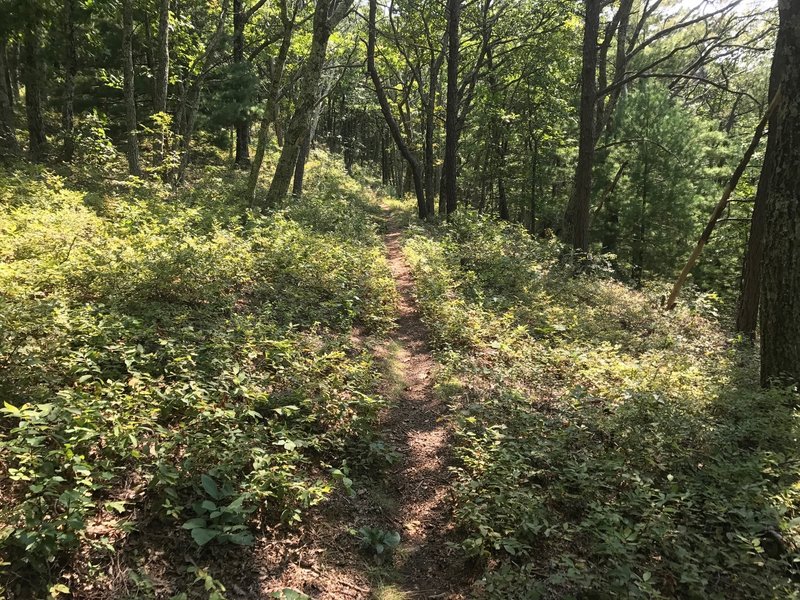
<point x="606" y="448"/>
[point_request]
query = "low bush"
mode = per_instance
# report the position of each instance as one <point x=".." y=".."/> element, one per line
<point x="606" y="448"/>
<point x="166" y="362"/>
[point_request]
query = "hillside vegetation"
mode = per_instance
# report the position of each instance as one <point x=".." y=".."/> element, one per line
<point x="174" y="369"/>
<point x="606" y="448"/>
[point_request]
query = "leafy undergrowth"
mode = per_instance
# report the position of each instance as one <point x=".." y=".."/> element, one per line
<point x="607" y="449"/>
<point x="174" y="364"/>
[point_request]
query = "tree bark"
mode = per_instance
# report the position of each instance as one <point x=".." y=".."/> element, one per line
<point x="33" y="92"/>
<point x="161" y="73"/>
<point x="272" y="108"/>
<point x="780" y="286"/>
<point x="747" y="313"/>
<point x="327" y="14"/>
<point x="8" y="137"/>
<point x="70" y="69"/>
<point x="302" y="158"/>
<point x="576" y="218"/>
<point x="391" y="122"/>
<point x="132" y="149"/>
<point x="449" y="192"/>
<point x="242" y="125"/>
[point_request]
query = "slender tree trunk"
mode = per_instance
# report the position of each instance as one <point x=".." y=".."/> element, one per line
<point x="33" y="92"/>
<point x="302" y="158"/>
<point x="449" y="193"/>
<point x="162" y="73"/>
<point x="129" y="85"/>
<point x="532" y="192"/>
<point x="394" y="128"/>
<point x="8" y="137"/>
<point x="747" y="313"/>
<point x="70" y="69"/>
<point x="576" y="218"/>
<point x="12" y="58"/>
<point x="723" y="202"/>
<point x="639" y="238"/>
<point x="299" y="124"/>
<point x="780" y="285"/>
<point x="242" y="125"/>
<point x="148" y="36"/>
<point x="502" y="200"/>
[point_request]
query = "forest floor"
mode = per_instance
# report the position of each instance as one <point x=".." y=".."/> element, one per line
<point x="413" y="499"/>
<point x="336" y="402"/>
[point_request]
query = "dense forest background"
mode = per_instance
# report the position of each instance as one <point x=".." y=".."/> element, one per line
<point x="203" y="324"/>
<point x="679" y="88"/>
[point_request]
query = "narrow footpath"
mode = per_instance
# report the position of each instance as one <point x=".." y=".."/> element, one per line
<point x="411" y="498"/>
<point x="417" y="425"/>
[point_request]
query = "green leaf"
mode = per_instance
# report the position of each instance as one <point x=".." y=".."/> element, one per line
<point x="391" y="539"/>
<point x="194" y="523"/>
<point x="210" y="486"/>
<point x="242" y="539"/>
<point x="203" y="536"/>
<point x="116" y="506"/>
<point x="58" y="588"/>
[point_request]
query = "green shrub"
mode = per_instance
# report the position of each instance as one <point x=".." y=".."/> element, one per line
<point x="151" y="341"/>
<point x="606" y="449"/>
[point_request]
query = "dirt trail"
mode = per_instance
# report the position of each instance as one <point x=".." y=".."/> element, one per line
<point x="413" y="498"/>
<point x="427" y="567"/>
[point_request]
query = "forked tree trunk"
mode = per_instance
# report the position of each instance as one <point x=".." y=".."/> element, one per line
<point x="272" y="108"/>
<point x="780" y="285"/>
<point x="327" y="15"/>
<point x="302" y="158"/>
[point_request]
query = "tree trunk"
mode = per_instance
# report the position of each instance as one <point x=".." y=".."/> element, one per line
<point x="70" y="69"/>
<point x="8" y="137"/>
<point x="271" y="112"/>
<point x="12" y="60"/>
<point x="132" y="149"/>
<point x="33" y="92"/>
<point x="723" y="202"/>
<point x="576" y="218"/>
<point x="394" y="128"/>
<point x="242" y="125"/>
<point x="449" y="194"/>
<point x="306" y="99"/>
<point x="162" y="73"/>
<point x="302" y="158"/>
<point x="747" y="313"/>
<point x="780" y="286"/>
<point x="532" y="192"/>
